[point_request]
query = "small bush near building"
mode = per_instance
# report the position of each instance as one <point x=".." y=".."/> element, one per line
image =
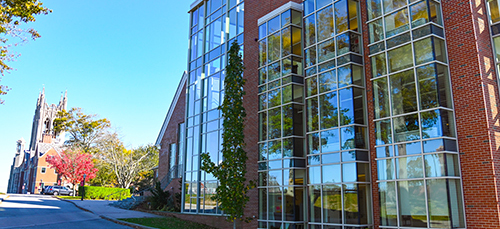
<point x="169" y="222"/>
<point x="104" y="193"/>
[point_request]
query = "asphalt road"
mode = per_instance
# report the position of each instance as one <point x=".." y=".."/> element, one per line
<point x="37" y="211"/>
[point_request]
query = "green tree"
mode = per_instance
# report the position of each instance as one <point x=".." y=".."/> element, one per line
<point x="231" y="194"/>
<point x="127" y="164"/>
<point x="12" y="14"/>
<point x="85" y="131"/>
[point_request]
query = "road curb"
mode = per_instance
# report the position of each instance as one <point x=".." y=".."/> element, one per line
<point x="2" y="199"/>
<point x="117" y="221"/>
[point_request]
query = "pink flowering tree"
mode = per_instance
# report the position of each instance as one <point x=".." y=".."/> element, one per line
<point x="72" y="165"/>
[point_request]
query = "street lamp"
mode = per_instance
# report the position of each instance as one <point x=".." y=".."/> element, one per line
<point x="83" y="186"/>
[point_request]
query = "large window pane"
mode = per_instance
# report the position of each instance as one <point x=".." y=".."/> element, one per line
<point x="381" y="98"/>
<point x="419" y="14"/>
<point x="330" y="141"/>
<point x="439" y="207"/>
<point x="263" y="52"/>
<point x="341" y="20"/>
<point x="353" y="15"/>
<point x="412" y="208"/>
<point x="406" y="128"/>
<point x="353" y="137"/>
<point x="310" y="55"/>
<point x="311" y="86"/>
<point x="313" y="143"/>
<point x="346" y="106"/>
<point x="329" y="110"/>
<point x="390" y="5"/>
<point x="326" y="50"/>
<point x="274" y="204"/>
<point x="400" y="58"/>
<point x="409" y="167"/>
<point x="274" y="47"/>
<point x="274" y="128"/>
<point x="435" y="11"/>
<point x="332" y="203"/>
<point x="439" y="165"/>
<point x="374" y="9"/>
<point x="327" y="81"/>
<point x="388" y="204"/>
<point x="383" y="132"/>
<point x="262" y="203"/>
<point x="315" y="175"/>
<point x="403" y="92"/>
<point x="297" y="42"/>
<point x="396" y="23"/>
<point x="357" y="203"/>
<point x="385" y="169"/>
<point x="286" y="42"/>
<point x="325" y="23"/>
<point x="310" y="30"/>
<point x="494" y="10"/>
<point x="437" y="123"/>
<point x="315" y="203"/>
<point x="331" y="174"/>
<point x="376" y="31"/>
<point x="423" y="51"/>
<point x="312" y="114"/>
<point x="343" y="45"/>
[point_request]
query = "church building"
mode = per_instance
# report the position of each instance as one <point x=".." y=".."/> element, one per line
<point x="29" y="171"/>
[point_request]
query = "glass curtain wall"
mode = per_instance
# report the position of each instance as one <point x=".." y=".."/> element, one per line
<point x="215" y="24"/>
<point x="281" y="138"/>
<point x="336" y="127"/>
<point x="417" y="158"/>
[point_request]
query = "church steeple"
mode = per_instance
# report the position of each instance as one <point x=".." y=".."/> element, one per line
<point x="43" y="120"/>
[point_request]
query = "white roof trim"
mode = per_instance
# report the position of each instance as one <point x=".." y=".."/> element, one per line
<point x="278" y="11"/>
<point x="180" y="87"/>
<point x="194" y="4"/>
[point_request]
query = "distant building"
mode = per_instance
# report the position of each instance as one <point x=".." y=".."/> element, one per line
<point x="29" y="171"/>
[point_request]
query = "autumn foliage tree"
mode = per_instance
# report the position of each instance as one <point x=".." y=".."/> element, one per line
<point x="85" y="130"/>
<point x="12" y="14"/>
<point x="72" y="165"/>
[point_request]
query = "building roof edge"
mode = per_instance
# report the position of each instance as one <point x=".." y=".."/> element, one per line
<point x="172" y="107"/>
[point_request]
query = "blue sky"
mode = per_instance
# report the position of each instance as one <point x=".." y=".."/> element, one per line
<point x="120" y="59"/>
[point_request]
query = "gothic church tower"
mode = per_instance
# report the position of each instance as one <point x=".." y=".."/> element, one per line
<point x="43" y="121"/>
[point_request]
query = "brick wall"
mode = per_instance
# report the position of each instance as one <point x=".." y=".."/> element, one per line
<point x="370" y="107"/>
<point x="170" y="135"/>
<point x="475" y="97"/>
<point x="49" y="177"/>
<point x="253" y="11"/>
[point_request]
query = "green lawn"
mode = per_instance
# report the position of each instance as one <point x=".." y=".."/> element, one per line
<point x="167" y="222"/>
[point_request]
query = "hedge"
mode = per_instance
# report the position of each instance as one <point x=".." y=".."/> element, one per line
<point x="104" y="193"/>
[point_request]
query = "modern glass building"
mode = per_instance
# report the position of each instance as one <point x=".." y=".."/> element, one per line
<point x="360" y="113"/>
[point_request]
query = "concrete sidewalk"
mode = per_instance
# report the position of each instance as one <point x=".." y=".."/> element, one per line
<point x="106" y="211"/>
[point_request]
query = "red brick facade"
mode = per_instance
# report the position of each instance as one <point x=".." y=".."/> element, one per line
<point x="170" y="135"/>
<point x="370" y="107"/>
<point x="253" y="11"/>
<point x="475" y="94"/>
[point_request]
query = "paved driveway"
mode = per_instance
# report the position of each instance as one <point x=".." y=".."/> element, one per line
<point x="37" y="211"/>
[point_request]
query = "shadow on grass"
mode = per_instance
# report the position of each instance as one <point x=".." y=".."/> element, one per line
<point x="168" y="222"/>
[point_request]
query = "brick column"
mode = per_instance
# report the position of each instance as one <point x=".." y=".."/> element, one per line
<point x="475" y="95"/>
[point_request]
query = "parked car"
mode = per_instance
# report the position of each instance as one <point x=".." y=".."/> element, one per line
<point x="44" y="189"/>
<point x="58" y="190"/>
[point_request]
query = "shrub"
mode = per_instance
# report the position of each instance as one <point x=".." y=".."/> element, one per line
<point x="104" y="193"/>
